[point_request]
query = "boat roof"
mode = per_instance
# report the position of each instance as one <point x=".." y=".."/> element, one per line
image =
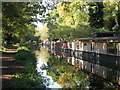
<point x="97" y="39"/>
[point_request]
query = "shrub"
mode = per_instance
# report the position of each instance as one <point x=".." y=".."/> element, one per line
<point x="29" y="67"/>
<point x="26" y="58"/>
<point x="3" y="49"/>
<point x="30" y="79"/>
<point x="22" y="48"/>
<point x="26" y="81"/>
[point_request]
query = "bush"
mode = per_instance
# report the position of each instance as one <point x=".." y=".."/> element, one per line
<point x="27" y="58"/>
<point x="3" y="49"/>
<point x="29" y="67"/>
<point x="26" y="81"/>
<point x="30" y="79"/>
<point x="22" y="48"/>
<point x="24" y="54"/>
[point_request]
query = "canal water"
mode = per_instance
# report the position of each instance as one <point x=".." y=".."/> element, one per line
<point x="60" y="72"/>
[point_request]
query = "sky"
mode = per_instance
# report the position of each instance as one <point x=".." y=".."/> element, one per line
<point x="40" y="25"/>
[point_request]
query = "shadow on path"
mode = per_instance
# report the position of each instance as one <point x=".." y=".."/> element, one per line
<point x="9" y="66"/>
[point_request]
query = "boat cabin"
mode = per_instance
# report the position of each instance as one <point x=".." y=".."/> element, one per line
<point x="104" y="45"/>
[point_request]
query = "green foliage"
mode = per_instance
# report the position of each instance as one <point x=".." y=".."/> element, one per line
<point x="68" y="21"/>
<point x="65" y="75"/>
<point x="22" y="48"/>
<point x="30" y="77"/>
<point x="23" y="55"/>
<point x="96" y="14"/>
<point x="30" y="66"/>
<point x="99" y="30"/>
<point x="27" y="58"/>
<point x="112" y="16"/>
<point x="17" y="21"/>
<point x="42" y="32"/>
<point x="26" y="81"/>
<point x="44" y="53"/>
<point x="71" y="20"/>
<point x="3" y="49"/>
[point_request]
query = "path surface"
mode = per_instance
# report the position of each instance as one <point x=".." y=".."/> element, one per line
<point x="9" y="66"/>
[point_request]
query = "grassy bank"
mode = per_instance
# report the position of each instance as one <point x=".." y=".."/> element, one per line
<point x="28" y="79"/>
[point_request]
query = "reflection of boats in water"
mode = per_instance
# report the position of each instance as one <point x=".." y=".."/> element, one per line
<point x="99" y="55"/>
<point x="95" y="67"/>
<point x="101" y="71"/>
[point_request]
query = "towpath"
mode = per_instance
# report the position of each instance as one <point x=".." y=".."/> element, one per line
<point x="8" y="66"/>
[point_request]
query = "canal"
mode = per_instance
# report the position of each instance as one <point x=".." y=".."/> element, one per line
<point x="62" y="71"/>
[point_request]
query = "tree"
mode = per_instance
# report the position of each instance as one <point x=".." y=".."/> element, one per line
<point x="118" y="17"/>
<point x="17" y="20"/>
<point x="67" y="21"/>
<point x="42" y="32"/>
<point x="109" y="15"/>
<point x="96" y="14"/>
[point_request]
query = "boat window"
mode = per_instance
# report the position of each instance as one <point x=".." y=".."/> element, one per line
<point x="70" y="45"/>
<point x="92" y="47"/>
<point x="85" y="44"/>
<point x="111" y="48"/>
<point x="77" y="46"/>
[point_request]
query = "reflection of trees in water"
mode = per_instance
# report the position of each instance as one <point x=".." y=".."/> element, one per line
<point x="42" y="53"/>
<point x="70" y="77"/>
<point x="65" y="75"/>
<point x="96" y="82"/>
<point x="34" y="48"/>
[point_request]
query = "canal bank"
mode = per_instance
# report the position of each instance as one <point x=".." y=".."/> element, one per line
<point x="18" y="69"/>
<point x="8" y="66"/>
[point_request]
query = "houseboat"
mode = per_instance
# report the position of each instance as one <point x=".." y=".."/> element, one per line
<point x="99" y="54"/>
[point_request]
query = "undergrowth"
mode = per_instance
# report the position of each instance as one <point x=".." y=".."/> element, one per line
<point x="30" y="78"/>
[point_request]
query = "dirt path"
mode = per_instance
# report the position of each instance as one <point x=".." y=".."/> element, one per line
<point x="9" y="66"/>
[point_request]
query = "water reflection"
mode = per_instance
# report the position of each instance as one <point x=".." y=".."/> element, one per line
<point x="89" y="61"/>
<point x="43" y="53"/>
<point x="43" y="57"/>
<point x="65" y="75"/>
<point x="60" y="73"/>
